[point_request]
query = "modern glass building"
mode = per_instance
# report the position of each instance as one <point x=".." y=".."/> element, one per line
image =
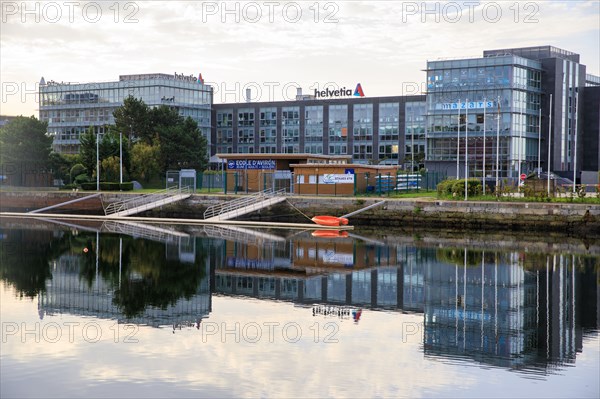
<point x="496" y="109"/>
<point x="377" y="130"/>
<point x="71" y="108"/>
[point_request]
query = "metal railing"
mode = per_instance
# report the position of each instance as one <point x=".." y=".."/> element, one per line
<point x="241" y="203"/>
<point x="145" y="199"/>
<point x="140" y="231"/>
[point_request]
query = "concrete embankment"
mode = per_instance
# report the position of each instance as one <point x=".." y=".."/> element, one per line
<point x="571" y="218"/>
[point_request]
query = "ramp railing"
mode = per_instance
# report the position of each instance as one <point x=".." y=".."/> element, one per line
<point x="241" y="203"/>
<point x="146" y="199"/>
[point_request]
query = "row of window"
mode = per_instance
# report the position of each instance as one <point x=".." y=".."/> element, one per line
<point x="313" y="115"/>
<point x="149" y="94"/>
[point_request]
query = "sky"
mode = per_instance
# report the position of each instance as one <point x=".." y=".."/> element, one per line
<point x="273" y="47"/>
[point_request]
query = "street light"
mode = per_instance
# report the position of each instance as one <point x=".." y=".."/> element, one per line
<point x="97" y="161"/>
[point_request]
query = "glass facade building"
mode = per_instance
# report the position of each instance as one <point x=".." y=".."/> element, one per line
<point x="467" y="100"/>
<point x="72" y="108"/>
<point x="498" y="108"/>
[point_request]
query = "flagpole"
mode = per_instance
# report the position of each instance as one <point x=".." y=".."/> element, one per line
<point x="498" y="145"/>
<point x="519" y="150"/>
<point x="549" y="141"/>
<point x="466" y="145"/>
<point x="121" y="157"/>
<point x="574" y="112"/>
<point x="412" y="140"/>
<point x="458" y="143"/>
<point x="539" y="142"/>
<point x="484" y="106"/>
<point x="97" y="161"/>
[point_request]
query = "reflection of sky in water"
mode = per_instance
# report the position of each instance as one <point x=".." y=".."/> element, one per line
<point x="291" y="348"/>
<point x="372" y="358"/>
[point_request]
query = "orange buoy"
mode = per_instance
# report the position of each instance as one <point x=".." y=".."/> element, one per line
<point x="330" y="220"/>
<point x="329" y="233"/>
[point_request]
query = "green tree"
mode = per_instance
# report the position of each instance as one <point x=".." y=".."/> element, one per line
<point x="87" y="151"/>
<point x="24" y="148"/>
<point x="164" y="116"/>
<point x="182" y="147"/>
<point x="109" y="147"/>
<point x="176" y="142"/>
<point x="76" y="171"/>
<point x="133" y="120"/>
<point x="62" y="164"/>
<point x="110" y="169"/>
<point x="145" y="160"/>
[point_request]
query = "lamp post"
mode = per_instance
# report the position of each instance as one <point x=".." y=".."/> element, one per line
<point x="483" y="163"/>
<point x="121" y="157"/>
<point x="97" y="161"/>
<point x="574" y="113"/>
<point x="466" y="146"/>
<point x="549" y="141"/>
<point x="458" y="143"/>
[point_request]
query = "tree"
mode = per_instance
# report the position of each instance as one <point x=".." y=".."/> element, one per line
<point x="77" y="174"/>
<point x="183" y="146"/>
<point x="62" y="164"/>
<point x="165" y="116"/>
<point x="87" y="151"/>
<point x="24" y="148"/>
<point x="133" y="120"/>
<point x="145" y="160"/>
<point x="110" y="169"/>
<point x="177" y="142"/>
<point x="109" y="147"/>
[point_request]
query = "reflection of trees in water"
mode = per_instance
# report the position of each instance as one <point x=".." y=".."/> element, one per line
<point x="25" y="257"/>
<point x="457" y="256"/>
<point x="147" y="277"/>
<point x="153" y="280"/>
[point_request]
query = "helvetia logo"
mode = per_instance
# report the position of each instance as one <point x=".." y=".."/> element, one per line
<point x="358" y="92"/>
<point x="340" y="92"/>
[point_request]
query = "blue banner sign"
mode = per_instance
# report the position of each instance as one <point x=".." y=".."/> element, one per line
<point x="251" y="164"/>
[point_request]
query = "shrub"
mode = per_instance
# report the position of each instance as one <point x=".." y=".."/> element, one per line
<point x="68" y="187"/>
<point x="82" y="178"/>
<point x="76" y="171"/>
<point x="128" y="186"/>
<point x="108" y="186"/>
<point x="444" y="188"/>
<point x="473" y="187"/>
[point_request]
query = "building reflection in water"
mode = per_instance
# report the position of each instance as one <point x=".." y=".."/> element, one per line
<point x="510" y="309"/>
<point x="493" y="309"/>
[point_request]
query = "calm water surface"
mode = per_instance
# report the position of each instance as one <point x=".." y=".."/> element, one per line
<point x="115" y="310"/>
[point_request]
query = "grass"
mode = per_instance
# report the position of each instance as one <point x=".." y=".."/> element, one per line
<point x="591" y="198"/>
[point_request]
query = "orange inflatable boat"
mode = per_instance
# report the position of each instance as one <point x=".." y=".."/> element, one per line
<point x="330" y="220"/>
<point x="329" y="233"/>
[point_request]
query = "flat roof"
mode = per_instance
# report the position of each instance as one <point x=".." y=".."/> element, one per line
<point x="283" y="156"/>
<point x="345" y="165"/>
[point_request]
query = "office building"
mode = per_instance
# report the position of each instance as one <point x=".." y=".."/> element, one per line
<point x="496" y="110"/>
<point x="72" y="108"/>
<point x="375" y="130"/>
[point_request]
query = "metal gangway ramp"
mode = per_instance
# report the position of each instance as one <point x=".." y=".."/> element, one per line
<point x="148" y="201"/>
<point x="244" y="205"/>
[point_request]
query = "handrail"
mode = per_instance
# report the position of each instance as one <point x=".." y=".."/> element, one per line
<point x="145" y="199"/>
<point x="240" y="203"/>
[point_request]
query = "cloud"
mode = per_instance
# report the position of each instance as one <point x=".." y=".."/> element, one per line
<point x="380" y="43"/>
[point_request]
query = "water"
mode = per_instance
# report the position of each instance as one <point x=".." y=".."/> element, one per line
<point x="118" y="310"/>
